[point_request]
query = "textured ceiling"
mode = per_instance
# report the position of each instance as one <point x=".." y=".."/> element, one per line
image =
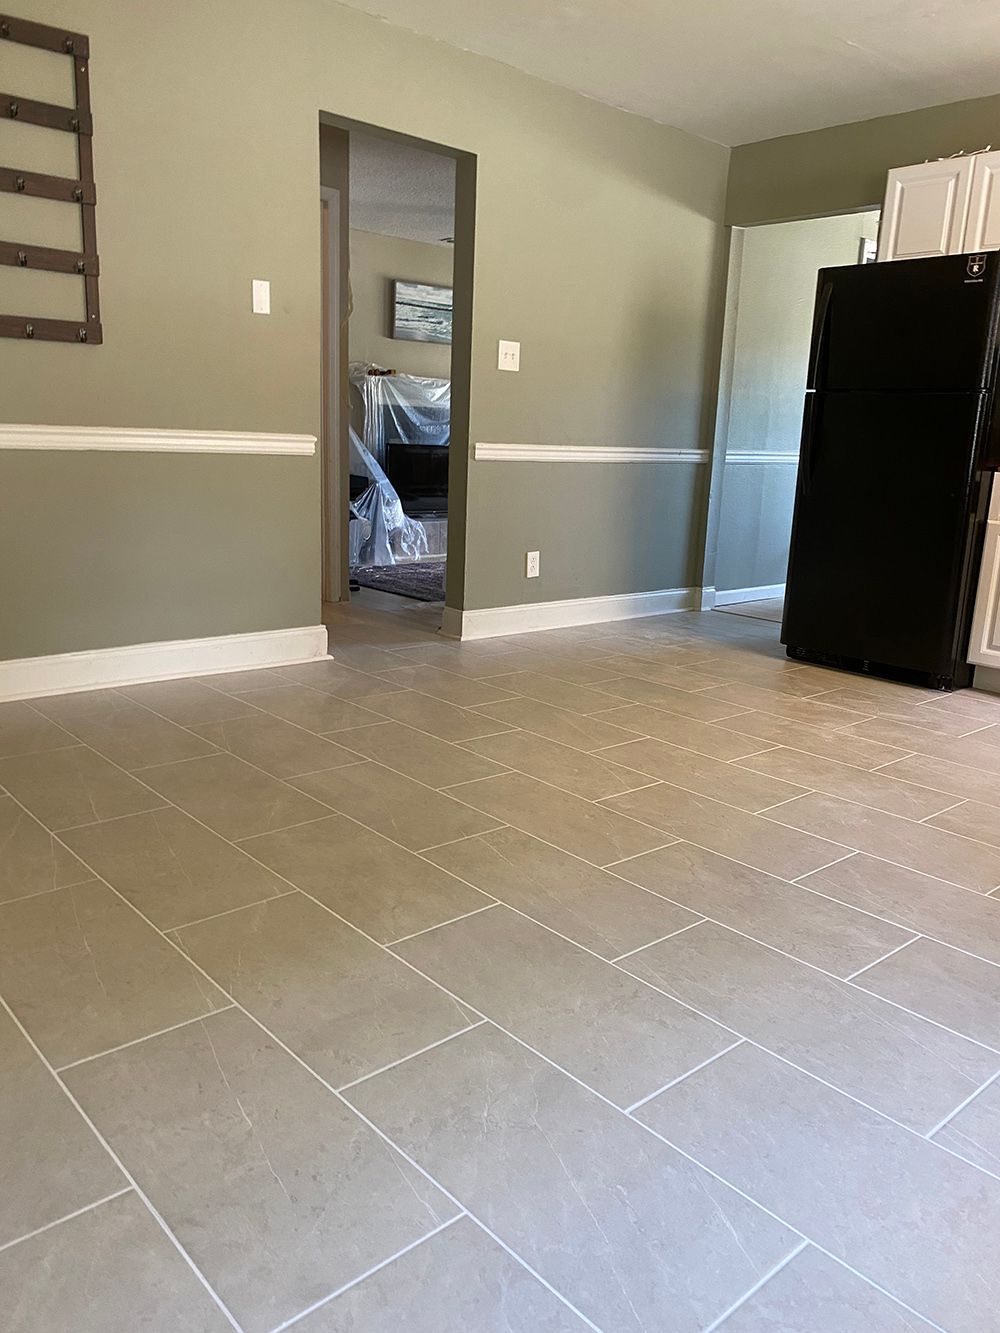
<point x="732" y="70"/>
<point x="401" y="191"/>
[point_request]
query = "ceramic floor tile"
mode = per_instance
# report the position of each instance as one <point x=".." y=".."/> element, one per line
<point x="371" y="657"/>
<point x="914" y="713"/>
<point x="333" y="678"/>
<point x="121" y="730"/>
<point x="590" y="831"/>
<point x="382" y="889"/>
<point x="956" y="780"/>
<point x="944" y="985"/>
<point x="702" y="774"/>
<point x="110" y="1270"/>
<point x="172" y="868"/>
<point x="588" y="775"/>
<point x="84" y="973"/>
<point x="591" y="906"/>
<point x="65" y="788"/>
<point x="878" y="790"/>
<point x="572" y="671"/>
<point x="548" y="690"/>
<point x="278" y="747"/>
<point x="663" y="673"/>
<point x="239" y="682"/>
<point x="231" y="797"/>
<point x="418" y="755"/>
<point x="58" y="1165"/>
<point x="973" y="751"/>
<point x="459" y="1281"/>
<point x="340" y="1002"/>
<point x="555" y="724"/>
<point x="959" y="917"/>
<point x="810" y="712"/>
<point x="786" y="853"/>
<point x="31" y="860"/>
<point x="398" y="807"/>
<point x="685" y="732"/>
<point x="276" y="1190"/>
<point x="896" y="1062"/>
<point x="189" y="703"/>
<point x="474" y="661"/>
<point x="701" y="707"/>
<point x="975" y="1132"/>
<point x="813" y="929"/>
<point x="445" y="685"/>
<point x="971" y="820"/>
<point x="976" y="704"/>
<point x="815" y="1293"/>
<point x="636" y="1236"/>
<point x="619" y="1037"/>
<point x="425" y="713"/>
<point x="23" y="730"/>
<point x="312" y="709"/>
<point x="973" y="865"/>
<point x="906" y="1215"/>
<point x="846" y="747"/>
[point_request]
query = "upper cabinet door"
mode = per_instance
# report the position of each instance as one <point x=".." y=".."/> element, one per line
<point x="982" y="231"/>
<point x="925" y="209"/>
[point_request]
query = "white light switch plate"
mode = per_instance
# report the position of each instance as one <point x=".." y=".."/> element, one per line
<point x="509" y="356"/>
<point x="261" y="297"/>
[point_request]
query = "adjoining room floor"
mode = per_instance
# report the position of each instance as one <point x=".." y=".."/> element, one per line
<point x="624" y="977"/>
<point x="422" y="580"/>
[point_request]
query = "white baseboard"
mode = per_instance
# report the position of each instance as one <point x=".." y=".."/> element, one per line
<point x="68" y="673"/>
<point x="727" y="596"/>
<point x="493" y="621"/>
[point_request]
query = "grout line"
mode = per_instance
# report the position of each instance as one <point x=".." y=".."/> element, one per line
<point x="961" y="1106"/>
<point x="805" y="791"/>
<point x="77" y="1212"/>
<point x="861" y="970"/>
<point x="462" y="916"/>
<point x="160" y="1032"/>
<point x="452" y="842"/>
<point x="687" y="1074"/>
<point x="260" y="902"/>
<point x="934" y="814"/>
<point x="669" y="935"/>
<point x="369" y="1272"/>
<point x="836" y="862"/>
<point x="121" y="1165"/>
<point x="772" y="1272"/>
<point x="431" y="1045"/>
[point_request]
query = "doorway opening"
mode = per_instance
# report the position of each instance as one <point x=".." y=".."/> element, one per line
<point x="772" y="286"/>
<point x="397" y="326"/>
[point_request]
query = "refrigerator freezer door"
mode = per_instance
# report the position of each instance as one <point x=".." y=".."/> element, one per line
<point x="885" y="529"/>
<point x="923" y="325"/>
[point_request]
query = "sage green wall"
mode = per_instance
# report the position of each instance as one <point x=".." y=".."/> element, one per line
<point x="774" y="308"/>
<point x="843" y="168"/>
<point x="375" y="261"/>
<point x="598" y="246"/>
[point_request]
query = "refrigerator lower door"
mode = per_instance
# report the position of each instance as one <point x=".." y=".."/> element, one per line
<point x="885" y="533"/>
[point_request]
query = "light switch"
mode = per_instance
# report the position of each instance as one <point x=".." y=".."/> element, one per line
<point x="509" y="356"/>
<point x="261" y="297"/>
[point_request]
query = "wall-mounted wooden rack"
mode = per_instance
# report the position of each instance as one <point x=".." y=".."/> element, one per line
<point x="76" y="120"/>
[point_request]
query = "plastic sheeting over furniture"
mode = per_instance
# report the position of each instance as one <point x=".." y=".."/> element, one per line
<point x="379" y="532"/>
<point x="411" y="409"/>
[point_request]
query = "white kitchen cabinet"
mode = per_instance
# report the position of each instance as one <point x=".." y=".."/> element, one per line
<point x="950" y="207"/>
<point x="982" y="229"/>
<point x="925" y="209"/>
<point x="984" y="644"/>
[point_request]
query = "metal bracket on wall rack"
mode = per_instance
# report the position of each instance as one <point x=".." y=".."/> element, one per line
<point x="76" y="120"/>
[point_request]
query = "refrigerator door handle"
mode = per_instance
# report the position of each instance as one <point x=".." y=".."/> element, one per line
<point x="821" y="321"/>
<point x="806" y="452"/>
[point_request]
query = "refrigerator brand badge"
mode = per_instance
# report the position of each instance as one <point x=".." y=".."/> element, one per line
<point x="975" y="265"/>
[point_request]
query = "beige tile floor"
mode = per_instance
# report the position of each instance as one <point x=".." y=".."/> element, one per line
<point x="626" y="978"/>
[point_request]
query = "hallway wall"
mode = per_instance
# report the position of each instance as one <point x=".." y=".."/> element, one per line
<point x="774" y="309"/>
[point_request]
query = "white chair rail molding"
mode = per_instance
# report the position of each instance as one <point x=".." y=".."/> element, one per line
<point x="148" y="440"/>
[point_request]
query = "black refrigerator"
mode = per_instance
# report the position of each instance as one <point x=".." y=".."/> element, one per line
<point x="899" y="443"/>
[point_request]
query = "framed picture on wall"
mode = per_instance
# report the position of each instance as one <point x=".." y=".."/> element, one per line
<point x="421" y="313"/>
